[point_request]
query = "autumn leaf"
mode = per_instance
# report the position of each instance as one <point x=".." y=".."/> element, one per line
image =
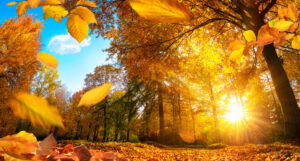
<point x="77" y="27"/>
<point x="45" y="146"/>
<point x="47" y="59"/>
<point x="11" y="3"/>
<point x="34" y="3"/>
<point x="273" y="22"/>
<point x="50" y="2"/>
<point x="161" y="10"/>
<point x="293" y="27"/>
<point x="56" y="12"/>
<point x="283" y="25"/>
<point x="21" y="146"/>
<point x="85" y="14"/>
<point x="22" y="8"/>
<point x="236" y="44"/>
<point x="292" y="11"/>
<point x="267" y="35"/>
<point x="296" y="42"/>
<point x="95" y="95"/>
<point x="35" y="109"/>
<point x="87" y="3"/>
<point x="250" y="36"/>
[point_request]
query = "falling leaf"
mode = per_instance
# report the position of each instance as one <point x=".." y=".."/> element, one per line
<point x="283" y="25"/>
<point x="296" y="42"/>
<point x="50" y="2"/>
<point x="11" y="3"/>
<point x="56" y="12"/>
<point x="250" y="36"/>
<point x="85" y="14"/>
<point x="22" y="8"/>
<point x="95" y="95"/>
<point x="35" y="109"/>
<point x="21" y="145"/>
<point x="34" y="3"/>
<point x="83" y="153"/>
<point x="161" y="10"/>
<point x="45" y="147"/>
<point x="77" y="27"/>
<point x="187" y="136"/>
<point x="47" y="59"/>
<point x="87" y="3"/>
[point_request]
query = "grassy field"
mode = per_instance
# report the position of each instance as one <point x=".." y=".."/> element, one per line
<point x="139" y="151"/>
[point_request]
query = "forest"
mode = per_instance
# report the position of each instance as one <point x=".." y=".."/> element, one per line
<point x="191" y="80"/>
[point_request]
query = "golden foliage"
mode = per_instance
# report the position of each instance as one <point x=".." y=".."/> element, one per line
<point x="77" y="27"/>
<point x="47" y="59"/>
<point x="250" y="36"/>
<point x="85" y="14"/>
<point x="56" y="12"/>
<point x="95" y="95"/>
<point x="22" y="8"/>
<point x="283" y="25"/>
<point x="35" y="109"/>
<point x="161" y="10"/>
<point x="86" y="3"/>
<point x="21" y="145"/>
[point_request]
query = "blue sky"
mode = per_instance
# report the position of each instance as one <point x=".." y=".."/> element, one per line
<point x="75" y="61"/>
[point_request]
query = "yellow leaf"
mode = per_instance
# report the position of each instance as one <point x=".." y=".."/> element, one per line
<point x="22" y="8"/>
<point x="296" y="42"/>
<point x="77" y="27"/>
<point x="85" y="14"/>
<point x="250" y="36"/>
<point x="47" y="59"/>
<point x="34" y="3"/>
<point x="50" y="2"/>
<point x="87" y="3"/>
<point x="19" y="145"/>
<point x="11" y="3"/>
<point x="283" y="25"/>
<point x="236" y="44"/>
<point x="56" y="12"/>
<point x="236" y="54"/>
<point x="35" y="109"/>
<point x="161" y="10"/>
<point x="95" y="95"/>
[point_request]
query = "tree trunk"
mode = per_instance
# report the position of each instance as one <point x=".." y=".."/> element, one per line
<point x="95" y="133"/>
<point x="116" y="134"/>
<point x="214" y="109"/>
<point x="55" y="132"/>
<point x="88" y="134"/>
<point x="127" y="137"/>
<point x="104" y="125"/>
<point x="77" y="130"/>
<point x="161" y="115"/>
<point x="284" y="92"/>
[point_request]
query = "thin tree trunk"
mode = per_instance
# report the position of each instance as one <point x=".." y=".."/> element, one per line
<point x="116" y="134"/>
<point x="88" y="134"/>
<point x="284" y="92"/>
<point x="161" y="115"/>
<point x="95" y="133"/>
<point x="104" y="125"/>
<point x="128" y="133"/>
<point x="55" y="132"/>
<point x="77" y="130"/>
<point x="214" y="109"/>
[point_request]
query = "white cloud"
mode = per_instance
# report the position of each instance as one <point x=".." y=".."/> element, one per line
<point x="66" y="44"/>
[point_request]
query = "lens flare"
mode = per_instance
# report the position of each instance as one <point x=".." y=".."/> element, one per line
<point x="235" y="113"/>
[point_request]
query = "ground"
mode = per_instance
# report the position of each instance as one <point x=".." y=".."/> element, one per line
<point x="145" y="152"/>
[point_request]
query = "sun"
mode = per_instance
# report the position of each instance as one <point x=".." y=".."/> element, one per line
<point x="235" y="113"/>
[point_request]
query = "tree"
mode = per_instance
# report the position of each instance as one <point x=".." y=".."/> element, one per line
<point x="18" y="64"/>
<point x="103" y="74"/>
<point x="165" y="38"/>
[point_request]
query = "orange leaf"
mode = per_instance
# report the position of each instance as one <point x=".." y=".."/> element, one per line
<point x="47" y="59"/>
